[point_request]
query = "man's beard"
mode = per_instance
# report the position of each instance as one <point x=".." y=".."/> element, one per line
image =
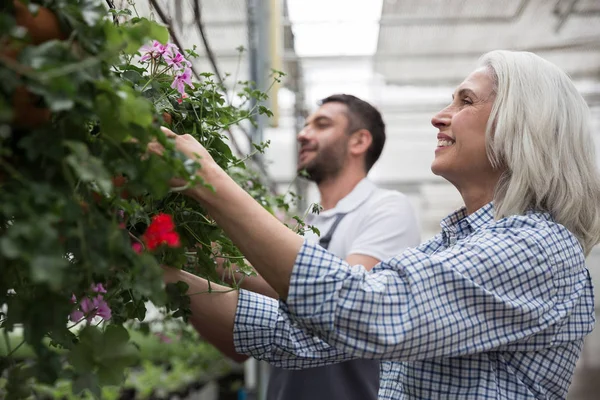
<point x="327" y="164"/>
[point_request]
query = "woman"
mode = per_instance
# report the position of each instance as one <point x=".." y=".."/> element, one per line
<point x="496" y="305"/>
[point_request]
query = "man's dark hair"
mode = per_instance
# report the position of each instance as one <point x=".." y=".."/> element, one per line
<point x="362" y="115"/>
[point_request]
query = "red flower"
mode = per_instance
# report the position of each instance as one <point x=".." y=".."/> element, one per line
<point x="161" y="231"/>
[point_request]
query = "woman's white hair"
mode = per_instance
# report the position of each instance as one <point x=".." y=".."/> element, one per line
<point x="539" y="131"/>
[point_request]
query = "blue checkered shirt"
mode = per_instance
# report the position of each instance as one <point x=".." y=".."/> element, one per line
<point x="485" y="310"/>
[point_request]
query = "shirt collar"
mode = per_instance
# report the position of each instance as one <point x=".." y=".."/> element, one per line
<point x="361" y="192"/>
<point x="459" y="222"/>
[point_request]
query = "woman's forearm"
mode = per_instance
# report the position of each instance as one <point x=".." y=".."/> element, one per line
<point x="267" y="244"/>
<point x="213" y="313"/>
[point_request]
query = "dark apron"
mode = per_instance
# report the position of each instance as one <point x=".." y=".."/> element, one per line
<point x="349" y="380"/>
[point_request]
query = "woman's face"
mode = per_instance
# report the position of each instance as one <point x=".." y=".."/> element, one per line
<point x="460" y="156"/>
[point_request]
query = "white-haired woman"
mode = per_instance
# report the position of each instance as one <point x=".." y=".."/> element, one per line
<point x="496" y="306"/>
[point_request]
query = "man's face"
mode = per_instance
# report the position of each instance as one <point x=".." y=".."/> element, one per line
<point x="324" y="142"/>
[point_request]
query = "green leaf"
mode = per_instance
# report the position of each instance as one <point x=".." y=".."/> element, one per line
<point x="136" y="309"/>
<point x="9" y="248"/>
<point x="87" y="167"/>
<point x="110" y="375"/>
<point x="115" y="336"/>
<point x="82" y="357"/>
<point x="87" y="381"/>
<point x="48" y="269"/>
<point x="159" y="32"/>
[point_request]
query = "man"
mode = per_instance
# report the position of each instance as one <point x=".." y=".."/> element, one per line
<point x="361" y="223"/>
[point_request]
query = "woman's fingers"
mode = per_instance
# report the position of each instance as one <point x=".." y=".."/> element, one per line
<point x="156" y="147"/>
<point x="168" y="132"/>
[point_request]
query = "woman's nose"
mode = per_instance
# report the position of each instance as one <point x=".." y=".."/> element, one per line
<point x="441" y="119"/>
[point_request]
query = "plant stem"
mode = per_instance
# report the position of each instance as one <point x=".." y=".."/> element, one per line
<point x="7" y="341"/>
<point x="16" y="348"/>
<point x="213" y="291"/>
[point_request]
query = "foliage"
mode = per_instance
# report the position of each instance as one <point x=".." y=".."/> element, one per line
<point x="167" y="366"/>
<point x="80" y="194"/>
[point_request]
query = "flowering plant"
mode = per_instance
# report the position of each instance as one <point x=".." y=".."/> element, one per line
<point x="87" y="216"/>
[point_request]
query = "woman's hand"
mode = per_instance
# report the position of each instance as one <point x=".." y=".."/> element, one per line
<point x="267" y="244"/>
<point x="189" y="146"/>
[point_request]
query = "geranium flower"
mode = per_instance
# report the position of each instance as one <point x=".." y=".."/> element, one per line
<point x="163" y="338"/>
<point x="101" y="308"/>
<point x="156" y="49"/>
<point x="185" y="78"/>
<point x="91" y="307"/>
<point x="137" y="247"/>
<point x="183" y="96"/>
<point x="98" y="288"/>
<point x="161" y="231"/>
<point x="176" y="60"/>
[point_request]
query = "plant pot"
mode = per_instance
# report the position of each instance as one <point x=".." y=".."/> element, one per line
<point x="167" y="118"/>
<point x="26" y="112"/>
<point x="41" y="27"/>
<point x="118" y="182"/>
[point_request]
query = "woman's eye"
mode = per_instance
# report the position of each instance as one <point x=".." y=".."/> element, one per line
<point x="467" y="101"/>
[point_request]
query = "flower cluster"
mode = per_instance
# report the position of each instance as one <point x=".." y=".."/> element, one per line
<point x="90" y="307"/>
<point x="160" y="231"/>
<point x="170" y="54"/>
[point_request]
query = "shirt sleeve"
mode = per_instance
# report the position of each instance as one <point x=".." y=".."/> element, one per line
<point x="491" y="292"/>
<point x="389" y="227"/>
<point x="264" y="333"/>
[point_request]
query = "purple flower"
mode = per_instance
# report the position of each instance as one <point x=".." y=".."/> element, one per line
<point x="86" y="309"/>
<point x="163" y="338"/>
<point x="92" y="307"/>
<point x="76" y="316"/>
<point x="156" y="50"/>
<point x="180" y="80"/>
<point x="177" y="60"/>
<point x="102" y="308"/>
<point x="137" y="247"/>
<point x="98" y="288"/>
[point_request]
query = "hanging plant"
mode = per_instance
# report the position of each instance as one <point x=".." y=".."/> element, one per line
<point x="87" y="216"/>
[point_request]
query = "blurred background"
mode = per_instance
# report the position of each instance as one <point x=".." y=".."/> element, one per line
<point x="403" y="56"/>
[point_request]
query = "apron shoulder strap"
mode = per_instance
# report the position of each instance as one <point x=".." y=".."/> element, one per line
<point x="324" y="241"/>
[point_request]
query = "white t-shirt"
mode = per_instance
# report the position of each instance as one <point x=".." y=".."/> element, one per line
<point x="379" y="223"/>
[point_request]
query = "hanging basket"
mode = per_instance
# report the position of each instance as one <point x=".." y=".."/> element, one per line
<point x="41" y="27"/>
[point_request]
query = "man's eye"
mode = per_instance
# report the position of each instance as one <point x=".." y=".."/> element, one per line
<point x="467" y="101"/>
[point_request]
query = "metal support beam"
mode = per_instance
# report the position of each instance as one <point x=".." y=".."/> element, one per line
<point x="398" y="20"/>
<point x="564" y="16"/>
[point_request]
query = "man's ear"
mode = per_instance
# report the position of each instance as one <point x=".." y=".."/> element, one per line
<point x="360" y="142"/>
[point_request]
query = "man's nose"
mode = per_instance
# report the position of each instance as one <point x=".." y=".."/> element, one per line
<point x="303" y="135"/>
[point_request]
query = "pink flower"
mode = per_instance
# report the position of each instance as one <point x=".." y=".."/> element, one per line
<point x="86" y="308"/>
<point x="177" y="60"/>
<point x="92" y="307"/>
<point x="137" y="247"/>
<point x="180" y="80"/>
<point x="156" y="50"/>
<point x="98" y="288"/>
<point x="73" y="298"/>
<point x="102" y="308"/>
<point x="183" y="96"/>
<point x="76" y="316"/>
<point x="163" y="338"/>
